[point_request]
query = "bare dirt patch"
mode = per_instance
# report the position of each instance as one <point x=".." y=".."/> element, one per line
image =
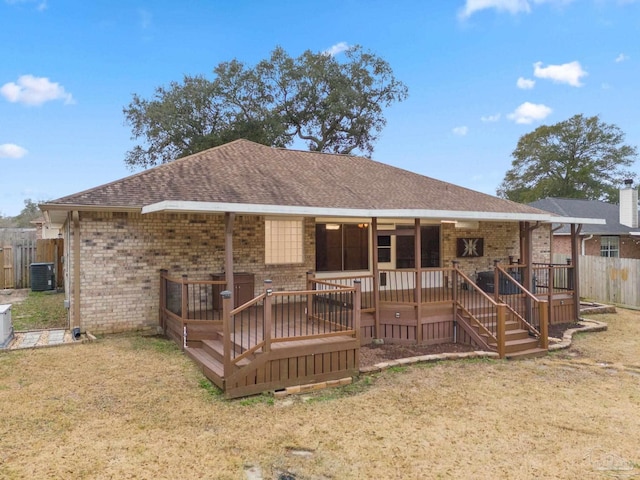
<point x="372" y="354"/>
<point x="133" y="407"/>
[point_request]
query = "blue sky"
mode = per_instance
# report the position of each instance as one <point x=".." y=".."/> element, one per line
<point x="480" y="73"/>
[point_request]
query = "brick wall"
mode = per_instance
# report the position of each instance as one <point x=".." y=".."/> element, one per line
<point x="500" y="241"/>
<point x="121" y="255"/>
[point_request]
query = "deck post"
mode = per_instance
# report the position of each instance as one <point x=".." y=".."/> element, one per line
<point x="184" y="309"/>
<point x="418" y="281"/>
<point x="226" y="331"/>
<point x="500" y="333"/>
<point x="376" y="278"/>
<point x="310" y="286"/>
<point x="268" y="290"/>
<point x="496" y="281"/>
<point x="544" y="325"/>
<point x="357" y="305"/>
<point x="550" y="278"/>
<point x="163" y="299"/>
<point x="454" y="298"/>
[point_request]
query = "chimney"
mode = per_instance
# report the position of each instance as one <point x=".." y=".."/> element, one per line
<point x="629" y="205"/>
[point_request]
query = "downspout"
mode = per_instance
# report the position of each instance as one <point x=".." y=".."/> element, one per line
<point x="584" y="240"/>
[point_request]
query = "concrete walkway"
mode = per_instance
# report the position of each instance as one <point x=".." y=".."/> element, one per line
<point x="44" y="338"/>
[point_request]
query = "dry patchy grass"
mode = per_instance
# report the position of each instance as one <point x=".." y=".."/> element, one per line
<point x="131" y="407"/>
<point x="39" y="310"/>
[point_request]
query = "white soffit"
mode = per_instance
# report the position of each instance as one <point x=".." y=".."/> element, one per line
<point x="172" y="206"/>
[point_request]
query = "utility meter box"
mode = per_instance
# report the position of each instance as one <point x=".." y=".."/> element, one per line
<point x="6" y="327"/>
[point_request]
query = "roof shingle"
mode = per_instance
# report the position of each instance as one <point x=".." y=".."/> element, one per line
<point x="247" y="172"/>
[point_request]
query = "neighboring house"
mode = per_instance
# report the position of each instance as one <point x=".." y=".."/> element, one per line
<point x="46" y="231"/>
<point x="271" y="266"/>
<point x="619" y="237"/>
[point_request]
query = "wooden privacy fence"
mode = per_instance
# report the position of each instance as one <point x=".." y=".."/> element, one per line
<point x="610" y="280"/>
<point x="16" y="259"/>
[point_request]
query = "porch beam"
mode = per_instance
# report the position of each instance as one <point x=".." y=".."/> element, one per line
<point x="418" y="286"/>
<point x="75" y="321"/>
<point x="575" y="260"/>
<point x="376" y="276"/>
<point x="229" y="218"/>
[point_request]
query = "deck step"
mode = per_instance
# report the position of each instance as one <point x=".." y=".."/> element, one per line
<point x="215" y="349"/>
<point x="529" y="353"/>
<point x="513" y="346"/>
<point x="211" y="368"/>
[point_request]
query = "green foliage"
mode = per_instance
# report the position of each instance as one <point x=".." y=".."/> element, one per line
<point x="262" y="399"/>
<point x="332" y="106"/>
<point x="30" y="212"/>
<point x="211" y="390"/>
<point x="39" y="310"/>
<point x="581" y="157"/>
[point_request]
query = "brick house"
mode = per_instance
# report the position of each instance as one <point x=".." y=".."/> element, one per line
<point x="619" y="236"/>
<point x="241" y="214"/>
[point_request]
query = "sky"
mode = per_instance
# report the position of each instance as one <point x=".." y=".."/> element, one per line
<point x="480" y="73"/>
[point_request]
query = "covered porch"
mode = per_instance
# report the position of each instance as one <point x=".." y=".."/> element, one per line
<point x="280" y="338"/>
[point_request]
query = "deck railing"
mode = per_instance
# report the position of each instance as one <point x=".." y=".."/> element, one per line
<point x="366" y="285"/>
<point x="479" y="308"/>
<point x="552" y="277"/>
<point x="531" y="312"/>
<point x="273" y="317"/>
<point x="187" y="301"/>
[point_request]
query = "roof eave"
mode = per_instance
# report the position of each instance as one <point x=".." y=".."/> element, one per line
<point x="172" y="206"/>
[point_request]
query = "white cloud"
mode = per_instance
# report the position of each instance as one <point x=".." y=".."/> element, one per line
<point x="529" y="112"/>
<point x="621" y="58"/>
<point x="32" y="90"/>
<point x="11" y="150"/>
<point x="461" y="131"/>
<point x="525" y="83"/>
<point x="510" y="6"/>
<point x="337" y="48"/>
<point x="41" y="5"/>
<point x="569" y="73"/>
<point x="490" y="118"/>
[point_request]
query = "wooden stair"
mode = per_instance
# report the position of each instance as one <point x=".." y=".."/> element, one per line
<point x="518" y="343"/>
<point x="209" y="355"/>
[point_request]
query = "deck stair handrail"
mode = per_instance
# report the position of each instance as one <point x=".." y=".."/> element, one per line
<point x="282" y="316"/>
<point x="522" y="303"/>
<point x="479" y="308"/>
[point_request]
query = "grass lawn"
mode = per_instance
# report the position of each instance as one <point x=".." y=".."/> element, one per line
<point x="132" y="407"/>
<point x="39" y="310"/>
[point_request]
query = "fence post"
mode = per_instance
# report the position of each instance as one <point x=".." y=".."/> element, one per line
<point x="226" y="330"/>
<point x="184" y="309"/>
<point x="544" y="326"/>
<point x="267" y="312"/>
<point x="500" y="332"/>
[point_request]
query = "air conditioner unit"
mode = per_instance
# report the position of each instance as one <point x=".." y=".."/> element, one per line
<point x="42" y="277"/>
<point x="6" y="327"/>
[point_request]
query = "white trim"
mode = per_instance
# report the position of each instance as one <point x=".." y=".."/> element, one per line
<point x="176" y="206"/>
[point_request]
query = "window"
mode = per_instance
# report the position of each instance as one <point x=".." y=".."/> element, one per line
<point x="429" y="247"/>
<point x="283" y="241"/>
<point x="342" y="246"/>
<point x="609" y="246"/>
<point x="384" y="248"/>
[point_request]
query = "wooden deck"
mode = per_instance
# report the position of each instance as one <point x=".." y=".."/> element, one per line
<point x="283" y="339"/>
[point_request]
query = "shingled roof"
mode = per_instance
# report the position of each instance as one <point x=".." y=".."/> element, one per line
<point x="243" y="172"/>
<point x="571" y="207"/>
